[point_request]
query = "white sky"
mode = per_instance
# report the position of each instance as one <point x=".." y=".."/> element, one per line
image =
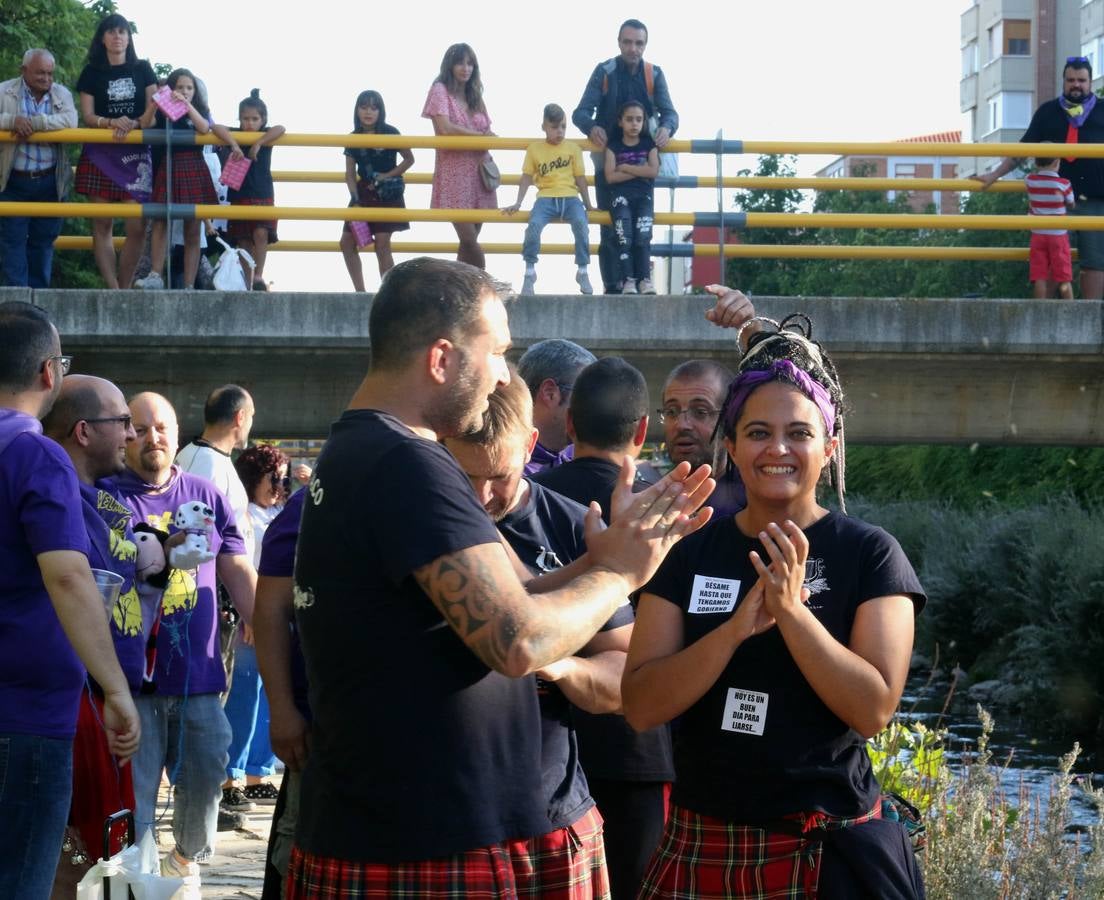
<point x="858" y="70"/>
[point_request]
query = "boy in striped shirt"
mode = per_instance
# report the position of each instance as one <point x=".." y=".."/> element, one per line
<point x="1049" y="194"/>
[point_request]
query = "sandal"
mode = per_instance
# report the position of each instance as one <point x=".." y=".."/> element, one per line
<point x="263" y="791"/>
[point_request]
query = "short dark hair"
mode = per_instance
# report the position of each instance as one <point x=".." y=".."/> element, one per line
<point x="254" y="101"/>
<point x="76" y="402"/>
<point x="256" y="463"/>
<point x="422" y="300"/>
<point x="223" y="403"/>
<point x="609" y="400"/>
<point x="27" y="340"/>
<point x="1041" y="161"/>
<point x="554" y="113"/>
<point x="700" y="368"/>
<point x="554" y="358"/>
<point x="1077" y="62"/>
<point x="633" y="23"/>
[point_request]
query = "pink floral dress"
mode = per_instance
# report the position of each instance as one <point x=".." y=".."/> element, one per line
<point x="456" y="180"/>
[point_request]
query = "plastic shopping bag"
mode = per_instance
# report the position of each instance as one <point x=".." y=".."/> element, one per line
<point x="138" y="868"/>
<point x="228" y="273"/>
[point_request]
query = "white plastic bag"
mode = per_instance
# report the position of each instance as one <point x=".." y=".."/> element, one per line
<point x="228" y="273"/>
<point x="138" y="868"/>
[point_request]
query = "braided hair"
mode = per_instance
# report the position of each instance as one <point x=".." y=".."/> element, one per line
<point x="789" y="341"/>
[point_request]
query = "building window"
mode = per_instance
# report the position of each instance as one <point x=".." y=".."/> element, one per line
<point x="994" y="113"/>
<point x="1089" y="52"/>
<point x="1009" y="109"/>
<point x="996" y="40"/>
<point x="1017" y="37"/>
<point x="904" y="170"/>
<point x="969" y="59"/>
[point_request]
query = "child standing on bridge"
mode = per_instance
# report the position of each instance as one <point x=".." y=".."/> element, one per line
<point x="632" y="164"/>
<point x="556" y="167"/>
<point x="1049" y="194"/>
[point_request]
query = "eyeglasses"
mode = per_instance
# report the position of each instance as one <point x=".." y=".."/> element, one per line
<point x="698" y="413"/>
<point x="118" y="420"/>
<point x="66" y="362"/>
<point x="280" y="483"/>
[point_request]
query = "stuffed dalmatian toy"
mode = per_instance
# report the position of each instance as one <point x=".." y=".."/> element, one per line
<point x="196" y="519"/>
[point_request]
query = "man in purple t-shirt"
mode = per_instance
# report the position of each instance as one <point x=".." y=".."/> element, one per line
<point x="51" y="613"/>
<point x="186" y="729"/>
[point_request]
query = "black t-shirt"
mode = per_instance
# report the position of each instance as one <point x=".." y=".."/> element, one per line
<point x="418" y="749"/>
<point x="374" y="160"/>
<point x="636" y="155"/>
<point x="761" y="744"/>
<point x="257" y="184"/>
<point x="608" y="745"/>
<point x="118" y="90"/>
<point x="547" y="533"/>
<point x="1050" y="123"/>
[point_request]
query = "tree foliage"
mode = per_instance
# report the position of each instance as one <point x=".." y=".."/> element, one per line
<point x="874" y="278"/>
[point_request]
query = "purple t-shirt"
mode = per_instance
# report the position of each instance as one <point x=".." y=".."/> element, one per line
<point x="107" y="518"/>
<point x="189" y="660"/>
<point x="40" y="674"/>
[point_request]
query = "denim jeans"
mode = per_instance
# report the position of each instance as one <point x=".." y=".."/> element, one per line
<point x="188" y="736"/>
<point x="632" y="229"/>
<point x="247" y="711"/>
<point x="564" y="209"/>
<point x="27" y="243"/>
<point x="36" y="782"/>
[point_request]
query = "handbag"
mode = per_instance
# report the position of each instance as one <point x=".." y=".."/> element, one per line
<point x="488" y="171"/>
<point x="390" y="189"/>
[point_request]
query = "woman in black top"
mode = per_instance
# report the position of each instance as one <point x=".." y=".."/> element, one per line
<point x="115" y="93"/>
<point x="781" y="637"/>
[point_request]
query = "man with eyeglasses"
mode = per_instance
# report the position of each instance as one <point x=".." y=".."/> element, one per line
<point x="52" y="622"/>
<point x="1073" y="118"/>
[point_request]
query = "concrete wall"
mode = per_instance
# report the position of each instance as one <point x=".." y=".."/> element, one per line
<point x="992" y="371"/>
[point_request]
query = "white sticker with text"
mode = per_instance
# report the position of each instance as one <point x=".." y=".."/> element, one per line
<point x="745" y="711"/>
<point x="713" y="595"/>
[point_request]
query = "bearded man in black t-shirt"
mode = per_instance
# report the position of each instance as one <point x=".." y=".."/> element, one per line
<point x="420" y="632"/>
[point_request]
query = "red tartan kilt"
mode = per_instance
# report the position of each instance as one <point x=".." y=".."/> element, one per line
<point x="566" y="864"/>
<point x="93" y="183"/>
<point x="367" y="196"/>
<point x="191" y="181"/>
<point x="242" y="229"/>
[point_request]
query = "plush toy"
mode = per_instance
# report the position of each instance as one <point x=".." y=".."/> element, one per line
<point x="150" y="565"/>
<point x="196" y="519"/>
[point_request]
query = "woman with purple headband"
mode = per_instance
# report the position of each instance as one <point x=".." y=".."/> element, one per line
<point x="780" y="638"/>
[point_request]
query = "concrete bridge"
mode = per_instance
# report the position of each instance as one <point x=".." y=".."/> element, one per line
<point x="915" y="370"/>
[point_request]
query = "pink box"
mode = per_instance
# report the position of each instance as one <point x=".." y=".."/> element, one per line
<point x="233" y="172"/>
<point x="362" y="232"/>
<point x="168" y="104"/>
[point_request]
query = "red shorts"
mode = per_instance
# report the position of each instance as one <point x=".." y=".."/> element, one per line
<point x="1049" y="259"/>
<point x="566" y="864"/>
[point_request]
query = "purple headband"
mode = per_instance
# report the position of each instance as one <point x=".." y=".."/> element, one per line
<point x="746" y="382"/>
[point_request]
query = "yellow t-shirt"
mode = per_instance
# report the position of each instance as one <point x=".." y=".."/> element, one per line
<point x="553" y="167"/>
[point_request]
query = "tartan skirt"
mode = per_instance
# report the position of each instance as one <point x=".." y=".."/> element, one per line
<point x="242" y="229"/>
<point x="367" y="196"/>
<point x="705" y="858"/>
<point x="93" y="183"/>
<point x="566" y="864"/>
<point x="191" y="180"/>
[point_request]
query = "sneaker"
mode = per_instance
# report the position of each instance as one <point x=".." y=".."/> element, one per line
<point x="234" y="800"/>
<point x="645" y="286"/>
<point x="152" y="282"/>
<point x="230" y="821"/>
<point x="264" y="791"/>
<point x="259" y="285"/>
<point x="628" y="286"/>
<point x="174" y="867"/>
<point x="583" y="280"/>
<point x="527" y="284"/>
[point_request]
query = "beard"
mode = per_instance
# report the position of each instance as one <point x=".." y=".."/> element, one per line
<point x="461" y="410"/>
<point x="1075" y="95"/>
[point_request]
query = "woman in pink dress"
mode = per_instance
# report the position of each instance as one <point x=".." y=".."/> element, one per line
<point x="455" y="104"/>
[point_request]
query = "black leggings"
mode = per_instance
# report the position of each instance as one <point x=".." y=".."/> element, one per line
<point x="634" y="812"/>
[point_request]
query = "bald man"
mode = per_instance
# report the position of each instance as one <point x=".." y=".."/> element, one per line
<point x="188" y="659"/>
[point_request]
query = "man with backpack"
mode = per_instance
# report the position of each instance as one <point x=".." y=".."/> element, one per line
<point x="612" y="84"/>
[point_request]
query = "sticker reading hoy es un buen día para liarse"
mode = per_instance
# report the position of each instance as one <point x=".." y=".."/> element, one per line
<point x="713" y="595"/>
<point x="745" y="711"/>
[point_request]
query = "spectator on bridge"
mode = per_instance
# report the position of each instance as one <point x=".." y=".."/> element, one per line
<point x="52" y="623"/>
<point x="115" y="93"/>
<point x="612" y="84"/>
<point x="549" y="368"/>
<point x="32" y="173"/>
<point x="455" y="105"/>
<point x="374" y="178"/>
<point x="782" y="638"/>
<point x="1049" y="194"/>
<point x="254" y="236"/>
<point x="632" y="163"/>
<point x="556" y="167"/>
<point x="191" y="177"/>
<point x="1073" y="118"/>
